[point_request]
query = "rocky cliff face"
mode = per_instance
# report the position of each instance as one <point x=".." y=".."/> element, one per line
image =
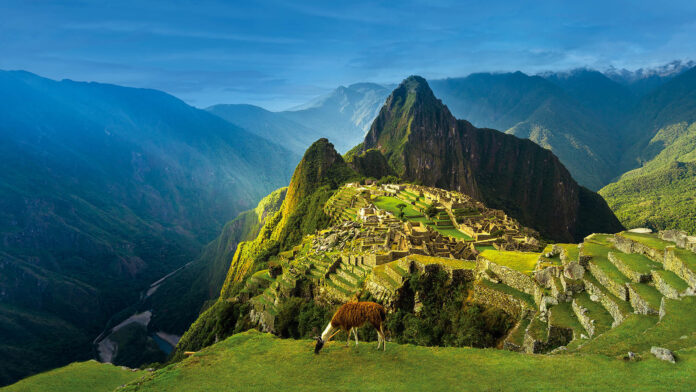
<point x="423" y="142"/>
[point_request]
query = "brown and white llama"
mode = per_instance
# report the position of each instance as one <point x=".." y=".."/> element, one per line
<point x="349" y="318"/>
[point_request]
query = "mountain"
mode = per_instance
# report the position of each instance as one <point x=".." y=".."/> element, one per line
<point x="179" y="299"/>
<point x="661" y="193"/>
<point x="658" y="188"/>
<point x="597" y="94"/>
<point x="424" y="142"/>
<point x="645" y="80"/>
<point x="320" y="172"/>
<point x="540" y="109"/>
<point x="104" y="190"/>
<point x="672" y="103"/>
<point x="344" y="115"/>
<point x="271" y="126"/>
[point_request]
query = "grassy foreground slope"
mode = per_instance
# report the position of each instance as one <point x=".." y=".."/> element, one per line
<point x="90" y="376"/>
<point x="254" y="361"/>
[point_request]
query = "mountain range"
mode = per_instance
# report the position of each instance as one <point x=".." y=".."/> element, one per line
<point x="106" y="190"/>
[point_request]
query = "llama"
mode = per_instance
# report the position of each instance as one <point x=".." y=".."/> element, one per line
<point x="349" y="318"/>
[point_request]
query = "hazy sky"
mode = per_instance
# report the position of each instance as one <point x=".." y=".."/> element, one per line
<point x="280" y="53"/>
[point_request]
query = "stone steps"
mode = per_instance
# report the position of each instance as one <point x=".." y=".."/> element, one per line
<point x="592" y="315"/>
<point x="607" y="274"/>
<point x="635" y="267"/>
<point x="617" y="307"/>
<point x="644" y="298"/>
<point x="350" y="277"/>
<point x="683" y="263"/>
<point x="340" y="281"/>
<point x="536" y="335"/>
<point x="563" y="325"/>
<point x="515" y="339"/>
<point x="669" y="284"/>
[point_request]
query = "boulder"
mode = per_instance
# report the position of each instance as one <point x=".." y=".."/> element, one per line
<point x="574" y="270"/>
<point x="663" y="354"/>
<point x="544" y="276"/>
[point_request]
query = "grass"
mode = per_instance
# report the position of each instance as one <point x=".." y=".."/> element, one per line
<point x="637" y="262"/>
<point x="624" y="306"/>
<point x="599" y="258"/>
<point x="571" y="251"/>
<point x="519" y="261"/>
<point x="688" y="257"/>
<point x="611" y="342"/>
<point x="596" y="312"/>
<point x="649" y="240"/>
<point x="562" y="315"/>
<point x="673" y="280"/>
<point x="517" y="335"/>
<point x="259" y="362"/>
<point x="90" y="376"/>
<point x="538" y="329"/>
<point x="503" y="288"/>
<point x="648" y="293"/>
<point x="647" y="331"/>
<point x="452" y="263"/>
<point x="454" y="233"/>
<point x="389" y="203"/>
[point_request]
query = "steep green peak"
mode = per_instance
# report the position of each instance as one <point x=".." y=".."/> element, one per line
<point x="416" y="87"/>
<point x="320" y="166"/>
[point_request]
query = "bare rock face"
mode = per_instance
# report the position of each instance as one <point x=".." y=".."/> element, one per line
<point x="423" y="141"/>
<point x="663" y="354"/>
<point x="574" y="271"/>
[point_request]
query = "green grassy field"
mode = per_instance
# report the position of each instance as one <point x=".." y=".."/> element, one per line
<point x="88" y="376"/>
<point x="390" y="204"/>
<point x="520" y="261"/>
<point x="252" y="361"/>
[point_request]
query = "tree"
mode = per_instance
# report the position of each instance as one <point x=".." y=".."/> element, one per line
<point x="431" y="211"/>
<point x="401" y="207"/>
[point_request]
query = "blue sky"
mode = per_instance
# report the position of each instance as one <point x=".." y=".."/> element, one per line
<point x="281" y="53"/>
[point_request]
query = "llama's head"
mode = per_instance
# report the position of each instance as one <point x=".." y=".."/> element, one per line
<point x="319" y="345"/>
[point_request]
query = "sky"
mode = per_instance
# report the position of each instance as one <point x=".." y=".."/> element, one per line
<point x="278" y="54"/>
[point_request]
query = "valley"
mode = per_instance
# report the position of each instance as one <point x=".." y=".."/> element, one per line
<point x="399" y="221"/>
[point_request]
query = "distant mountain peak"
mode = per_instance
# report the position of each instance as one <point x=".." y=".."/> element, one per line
<point x="671" y="69"/>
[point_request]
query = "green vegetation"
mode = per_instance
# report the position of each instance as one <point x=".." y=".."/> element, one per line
<point x="637" y="262"/>
<point x="648" y="293"/>
<point x="673" y="280"/>
<point x="638" y="333"/>
<point x="649" y="240"/>
<point x="452" y="263"/>
<point x="687" y="257"/>
<point x="661" y="193"/>
<point x="257" y="361"/>
<point x="90" y="376"/>
<point x="562" y="316"/>
<point x="445" y="318"/>
<point x="595" y="311"/>
<point x="392" y="204"/>
<point x="519" y="261"/>
<point x="600" y="258"/>
<point x="503" y="288"/>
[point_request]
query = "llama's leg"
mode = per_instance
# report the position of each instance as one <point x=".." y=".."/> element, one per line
<point x="384" y="338"/>
<point x="348" y="341"/>
<point x="355" y="332"/>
